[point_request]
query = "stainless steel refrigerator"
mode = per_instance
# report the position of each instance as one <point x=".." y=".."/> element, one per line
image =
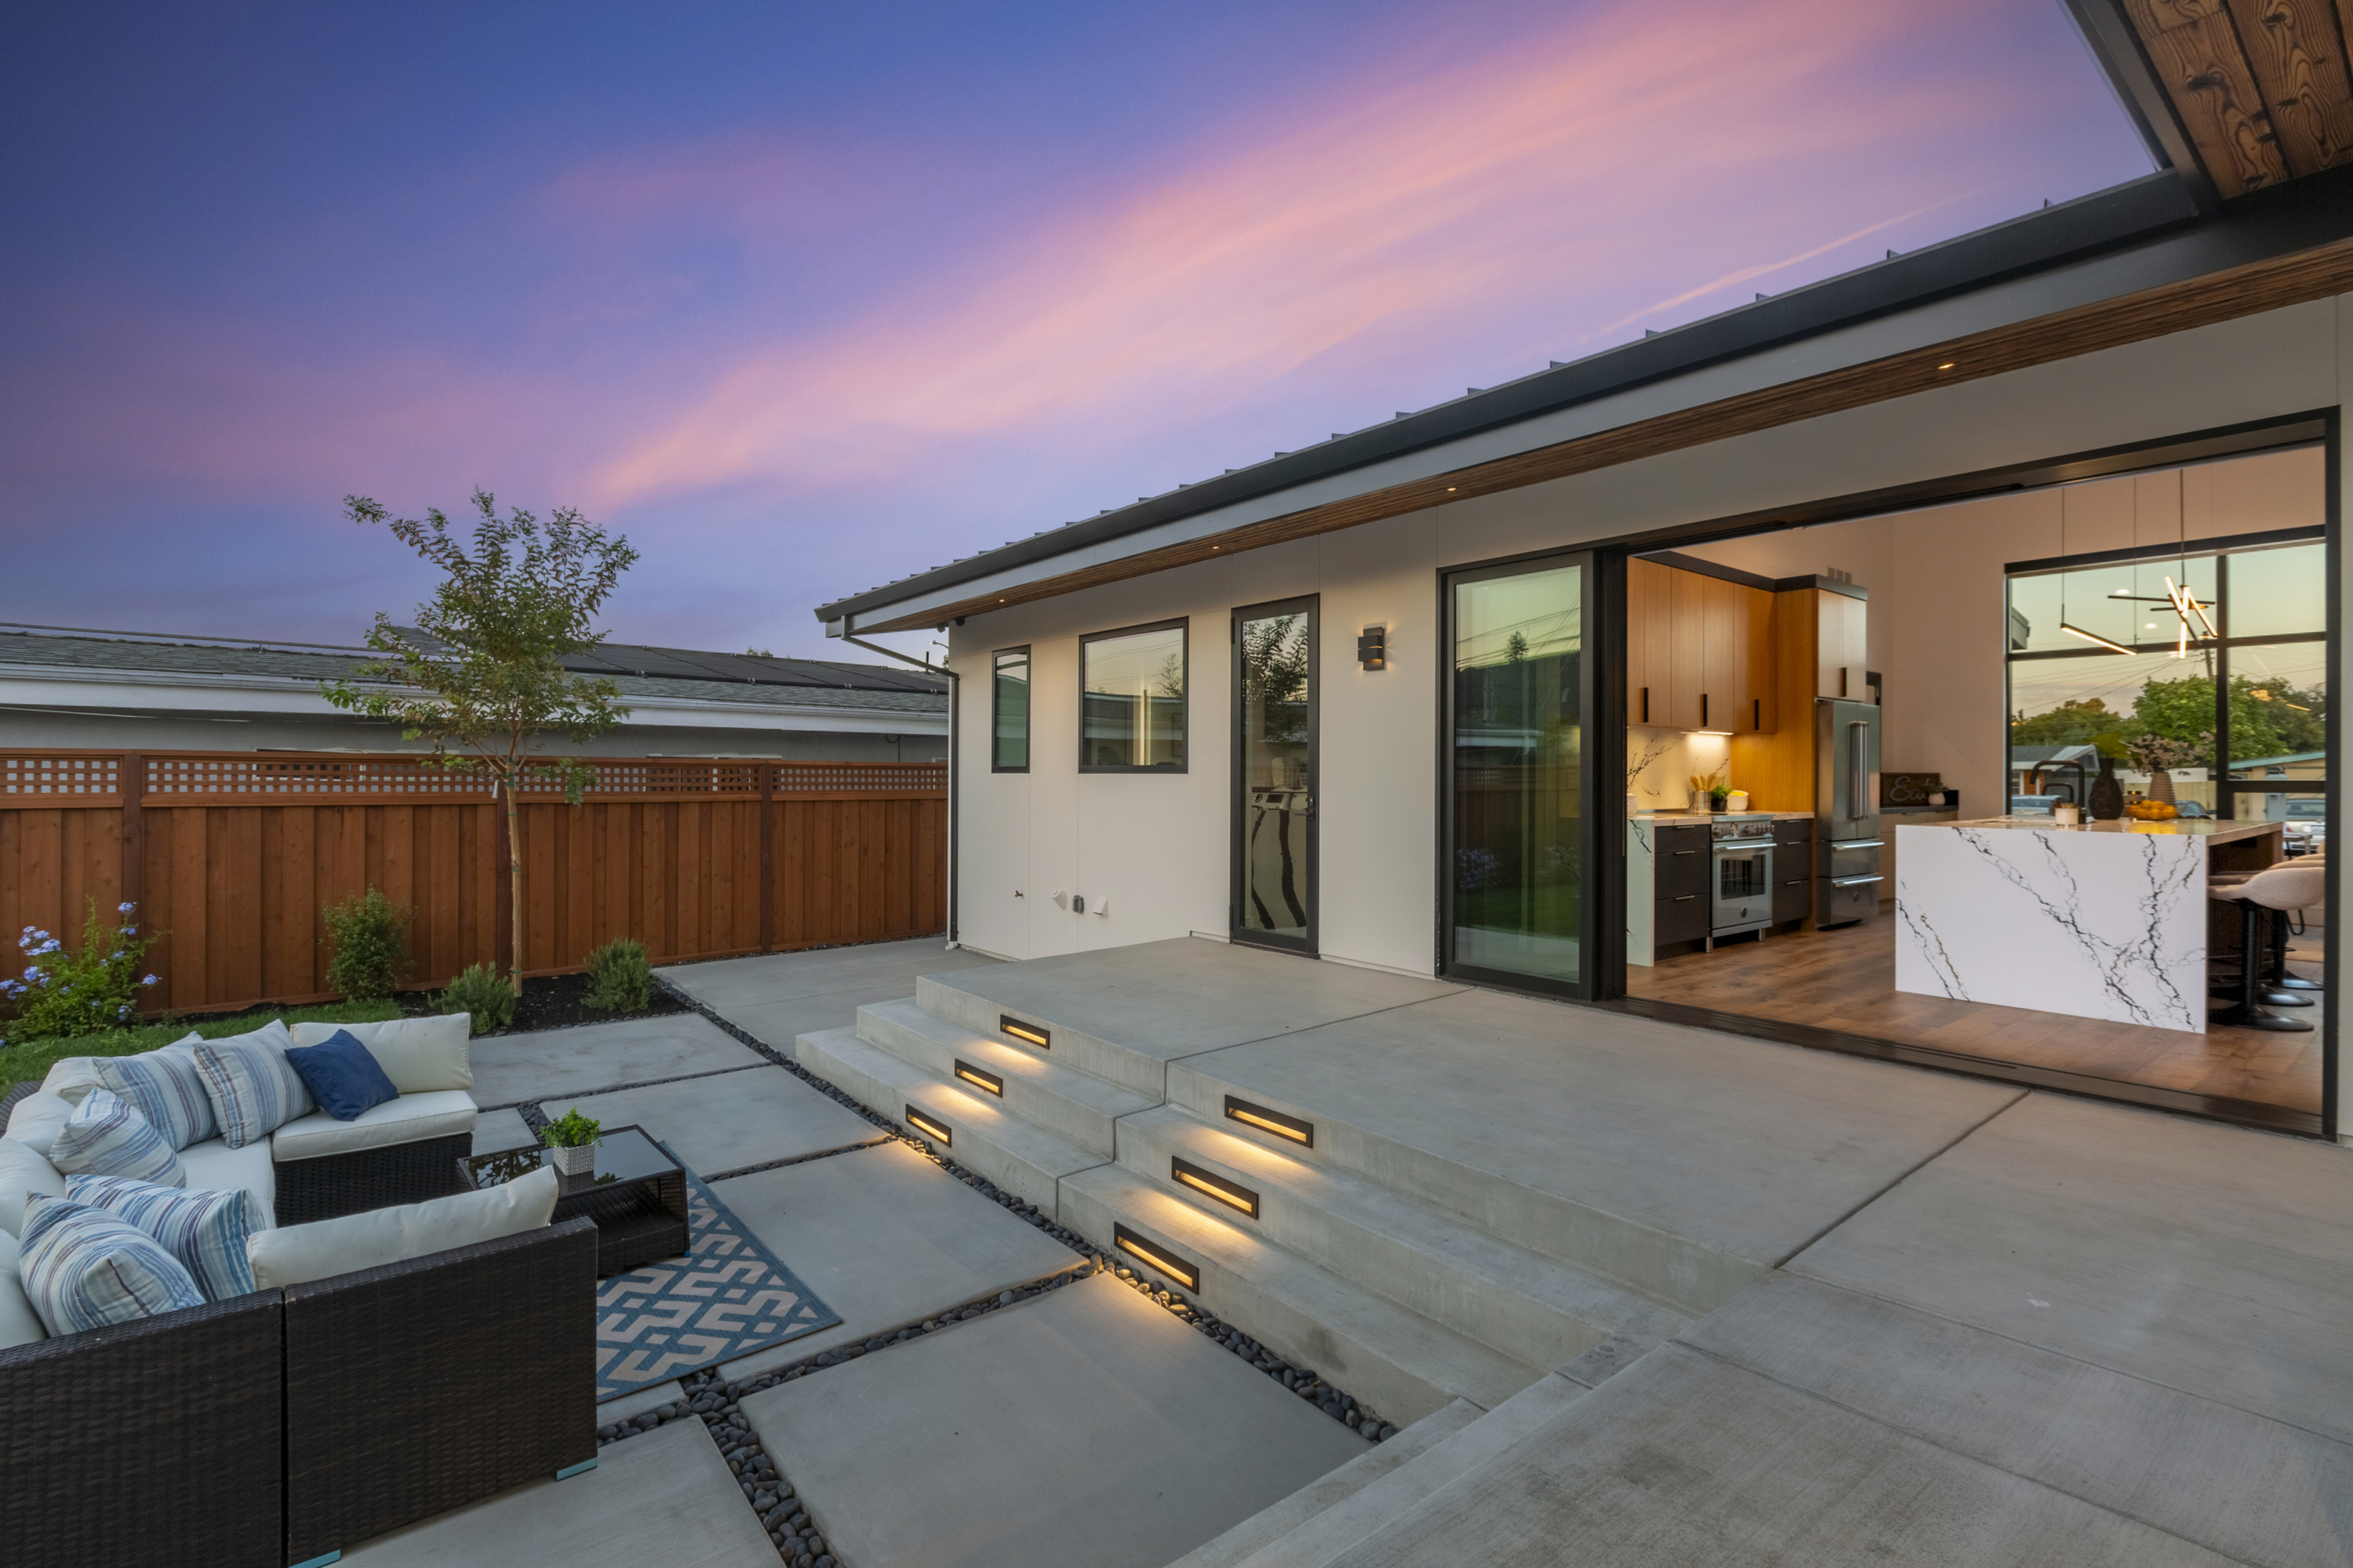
<point x="1846" y="843"/>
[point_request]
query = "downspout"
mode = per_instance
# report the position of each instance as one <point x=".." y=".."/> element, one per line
<point x="842" y="630"/>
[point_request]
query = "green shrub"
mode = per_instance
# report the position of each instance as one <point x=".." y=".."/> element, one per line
<point x="369" y="934"/>
<point x="62" y="993"/>
<point x="479" y="991"/>
<point x="621" y="980"/>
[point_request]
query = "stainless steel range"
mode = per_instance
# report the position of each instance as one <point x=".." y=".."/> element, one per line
<point x="1741" y="873"/>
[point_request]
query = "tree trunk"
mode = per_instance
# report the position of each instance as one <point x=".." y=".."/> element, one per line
<point x="514" y="882"/>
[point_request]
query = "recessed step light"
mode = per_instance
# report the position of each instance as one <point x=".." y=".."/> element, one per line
<point x="931" y="1126"/>
<point x="980" y="1078"/>
<point x="1274" y="1121"/>
<point x="1184" y="1173"/>
<point x="1037" y="1034"/>
<point x="1153" y="1255"/>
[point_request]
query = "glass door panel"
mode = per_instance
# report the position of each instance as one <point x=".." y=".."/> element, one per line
<point x="1515" y="825"/>
<point x="1273" y="706"/>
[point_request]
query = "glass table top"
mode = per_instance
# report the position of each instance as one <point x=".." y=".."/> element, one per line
<point x="623" y="1155"/>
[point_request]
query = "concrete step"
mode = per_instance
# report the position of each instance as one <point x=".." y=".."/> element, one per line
<point x="1323" y="1538"/>
<point x="1691" y="1276"/>
<point x="1073" y="1106"/>
<point x="1536" y="1310"/>
<point x="982" y="1137"/>
<point x="1270" y="1525"/>
<point x="1402" y="1364"/>
<point x="1140" y="1071"/>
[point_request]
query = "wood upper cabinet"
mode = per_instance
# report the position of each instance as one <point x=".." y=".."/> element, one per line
<point x="1839" y="654"/>
<point x="1699" y="650"/>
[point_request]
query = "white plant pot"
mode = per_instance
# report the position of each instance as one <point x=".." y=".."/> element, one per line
<point x="581" y="1160"/>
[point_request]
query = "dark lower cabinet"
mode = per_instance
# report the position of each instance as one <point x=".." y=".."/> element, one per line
<point x="1792" y="897"/>
<point x="1680" y="919"/>
<point x="1681" y="863"/>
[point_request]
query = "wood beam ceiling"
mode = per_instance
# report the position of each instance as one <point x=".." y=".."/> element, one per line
<point x="2263" y="88"/>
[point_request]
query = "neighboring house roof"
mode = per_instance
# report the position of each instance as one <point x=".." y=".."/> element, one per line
<point x="2239" y="762"/>
<point x="679" y="686"/>
<point x="2143" y="250"/>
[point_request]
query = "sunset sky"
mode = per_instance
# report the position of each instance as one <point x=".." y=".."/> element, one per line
<point x="803" y="299"/>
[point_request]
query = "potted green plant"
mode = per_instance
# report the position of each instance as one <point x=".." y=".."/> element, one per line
<point x="571" y="1143"/>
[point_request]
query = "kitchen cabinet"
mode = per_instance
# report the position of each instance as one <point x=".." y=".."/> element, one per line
<point x="1839" y="654"/>
<point x="1699" y="650"/>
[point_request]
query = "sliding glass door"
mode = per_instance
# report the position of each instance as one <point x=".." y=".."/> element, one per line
<point x="1516" y="861"/>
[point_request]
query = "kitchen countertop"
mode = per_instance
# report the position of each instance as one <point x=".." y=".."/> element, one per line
<point x="2214" y="830"/>
<point x="1679" y="819"/>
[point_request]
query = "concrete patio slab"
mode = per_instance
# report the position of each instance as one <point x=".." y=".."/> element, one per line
<point x="1686" y="1162"/>
<point x="729" y="1121"/>
<point x="885" y="1238"/>
<point x="662" y="1498"/>
<point x="1685" y="1462"/>
<point x="724" y="984"/>
<point x="496" y="1132"/>
<point x="1088" y="1427"/>
<point x="511" y="1069"/>
<point x="2250" y="1488"/>
<point x="779" y="1021"/>
<point x="2209" y="1259"/>
<point x="638" y="1403"/>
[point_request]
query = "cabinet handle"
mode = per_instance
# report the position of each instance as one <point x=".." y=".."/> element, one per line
<point x="1756" y="713"/>
<point x="1687" y="852"/>
<point x="1703" y="710"/>
<point x="1685" y="899"/>
<point x="1646" y="705"/>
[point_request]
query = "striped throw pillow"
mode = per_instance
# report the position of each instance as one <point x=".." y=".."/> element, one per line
<point x="84" y="1269"/>
<point x="106" y="1136"/>
<point x="206" y="1230"/>
<point x="254" y="1089"/>
<point x="167" y="1090"/>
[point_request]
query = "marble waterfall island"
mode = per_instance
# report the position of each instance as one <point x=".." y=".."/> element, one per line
<point x="2103" y="921"/>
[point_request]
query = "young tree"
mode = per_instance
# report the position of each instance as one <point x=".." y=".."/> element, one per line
<point x="479" y="673"/>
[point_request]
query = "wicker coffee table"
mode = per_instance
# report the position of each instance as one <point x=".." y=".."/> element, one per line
<point x="636" y="1196"/>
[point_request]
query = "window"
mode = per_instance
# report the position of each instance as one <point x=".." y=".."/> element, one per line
<point x="2232" y="703"/>
<point x="1131" y="687"/>
<point x="1009" y="713"/>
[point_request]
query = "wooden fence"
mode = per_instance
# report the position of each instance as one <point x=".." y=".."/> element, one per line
<point x="233" y="855"/>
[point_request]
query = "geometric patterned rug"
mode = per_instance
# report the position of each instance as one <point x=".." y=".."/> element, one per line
<point x="728" y="1297"/>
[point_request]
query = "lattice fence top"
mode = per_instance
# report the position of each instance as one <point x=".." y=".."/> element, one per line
<point x="88" y="778"/>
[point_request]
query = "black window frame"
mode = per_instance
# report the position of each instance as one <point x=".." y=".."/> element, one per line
<point x="1183" y="626"/>
<point x="1030" y="719"/>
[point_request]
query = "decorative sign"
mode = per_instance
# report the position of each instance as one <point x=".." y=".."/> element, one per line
<point x="1908" y="788"/>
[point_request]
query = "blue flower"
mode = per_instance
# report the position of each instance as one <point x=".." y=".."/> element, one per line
<point x="149" y="981"/>
<point x="124" y="908"/>
<point x="131" y="930"/>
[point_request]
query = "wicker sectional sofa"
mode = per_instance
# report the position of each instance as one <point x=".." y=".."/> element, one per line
<point x="282" y="1425"/>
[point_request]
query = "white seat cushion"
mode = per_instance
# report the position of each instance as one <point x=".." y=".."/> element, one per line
<point x="39" y="1118"/>
<point x="292" y="1255"/>
<point x="417" y="1054"/>
<point x="19" y="1324"/>
<point x="24" y="1170"/>
<point x="213" y="1166"/>
<point x="440" y="1114"/>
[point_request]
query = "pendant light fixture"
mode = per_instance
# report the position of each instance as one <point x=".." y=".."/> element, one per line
<point x="2064" y="624"/>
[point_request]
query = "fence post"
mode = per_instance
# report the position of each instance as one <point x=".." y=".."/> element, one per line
<point x="767" y="856"/>
<point x="501" y="946"/>
<point x="133" y="776"/>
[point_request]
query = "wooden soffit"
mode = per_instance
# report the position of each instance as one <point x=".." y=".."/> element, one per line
<point x="2267" y="285"/>
<point x="2263" y="88"/>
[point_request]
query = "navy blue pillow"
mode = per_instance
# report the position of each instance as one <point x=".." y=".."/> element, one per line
<point x="341" y="1076"/>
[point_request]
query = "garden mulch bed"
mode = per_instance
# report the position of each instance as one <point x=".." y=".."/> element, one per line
<point x="559" y="1001"/>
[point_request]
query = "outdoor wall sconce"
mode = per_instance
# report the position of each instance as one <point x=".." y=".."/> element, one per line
<point x="1184" y="1173"/>
<point x="1274" y="1121"/>
<point x="981" y="1079"/>
<point x="1372" y="648"/>
<point x="931" y="1126"/>
<point x="1042" y="1038"/>
<point x="1154" y="1256"/>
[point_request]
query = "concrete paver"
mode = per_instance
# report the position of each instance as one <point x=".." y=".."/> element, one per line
<point x="727" y="1122"/>
<point x="662" y="1498"/>
<point x="2206" y="1258"/>
<point x="1685" y="1462"/>
<point x="510" y="1069"/>
<point x="2251" y="1488"/>
<point x="885" y="1238"/>
<point x="1088" y="1427"/>
<point x="725" y="985"/>
<point x="496" y="1132"/>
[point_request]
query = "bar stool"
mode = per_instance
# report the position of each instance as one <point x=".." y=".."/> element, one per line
<point x="2281" y="986"/>
<point x="2281" y="888"/>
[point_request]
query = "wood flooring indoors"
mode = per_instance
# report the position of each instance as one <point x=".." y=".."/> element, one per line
<point x="1843" y="980"/>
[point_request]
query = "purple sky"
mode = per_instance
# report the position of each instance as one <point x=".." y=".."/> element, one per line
<point x="803" y="299"/>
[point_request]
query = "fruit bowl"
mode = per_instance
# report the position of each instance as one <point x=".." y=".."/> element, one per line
<point x="2152" y="810"/>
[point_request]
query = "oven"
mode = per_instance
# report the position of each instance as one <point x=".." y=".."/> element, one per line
<point x="1742" y="876"/>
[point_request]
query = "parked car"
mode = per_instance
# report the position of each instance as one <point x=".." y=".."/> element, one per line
<point x="2307" y="825"/>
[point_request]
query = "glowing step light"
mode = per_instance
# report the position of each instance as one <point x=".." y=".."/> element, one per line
<point x="1151" y="1255"/>
<point x="931" y="1126"/>
<point x="980" y="1078"/>
<point x="1034" y="1034"/>
<point x="1274" y="1121"/>
<point x="1184" y="1173"/>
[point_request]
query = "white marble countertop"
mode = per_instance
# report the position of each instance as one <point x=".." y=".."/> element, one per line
<point x="2213" y="829"/>
<point x="1679" y="819"/>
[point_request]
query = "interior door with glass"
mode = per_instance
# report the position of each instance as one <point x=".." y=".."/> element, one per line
<point x="1515" y="852"/>
<point x="1274" y="775"/>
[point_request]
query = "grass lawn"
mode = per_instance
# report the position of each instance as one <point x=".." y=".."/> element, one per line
<point x="30" y="1060"/>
